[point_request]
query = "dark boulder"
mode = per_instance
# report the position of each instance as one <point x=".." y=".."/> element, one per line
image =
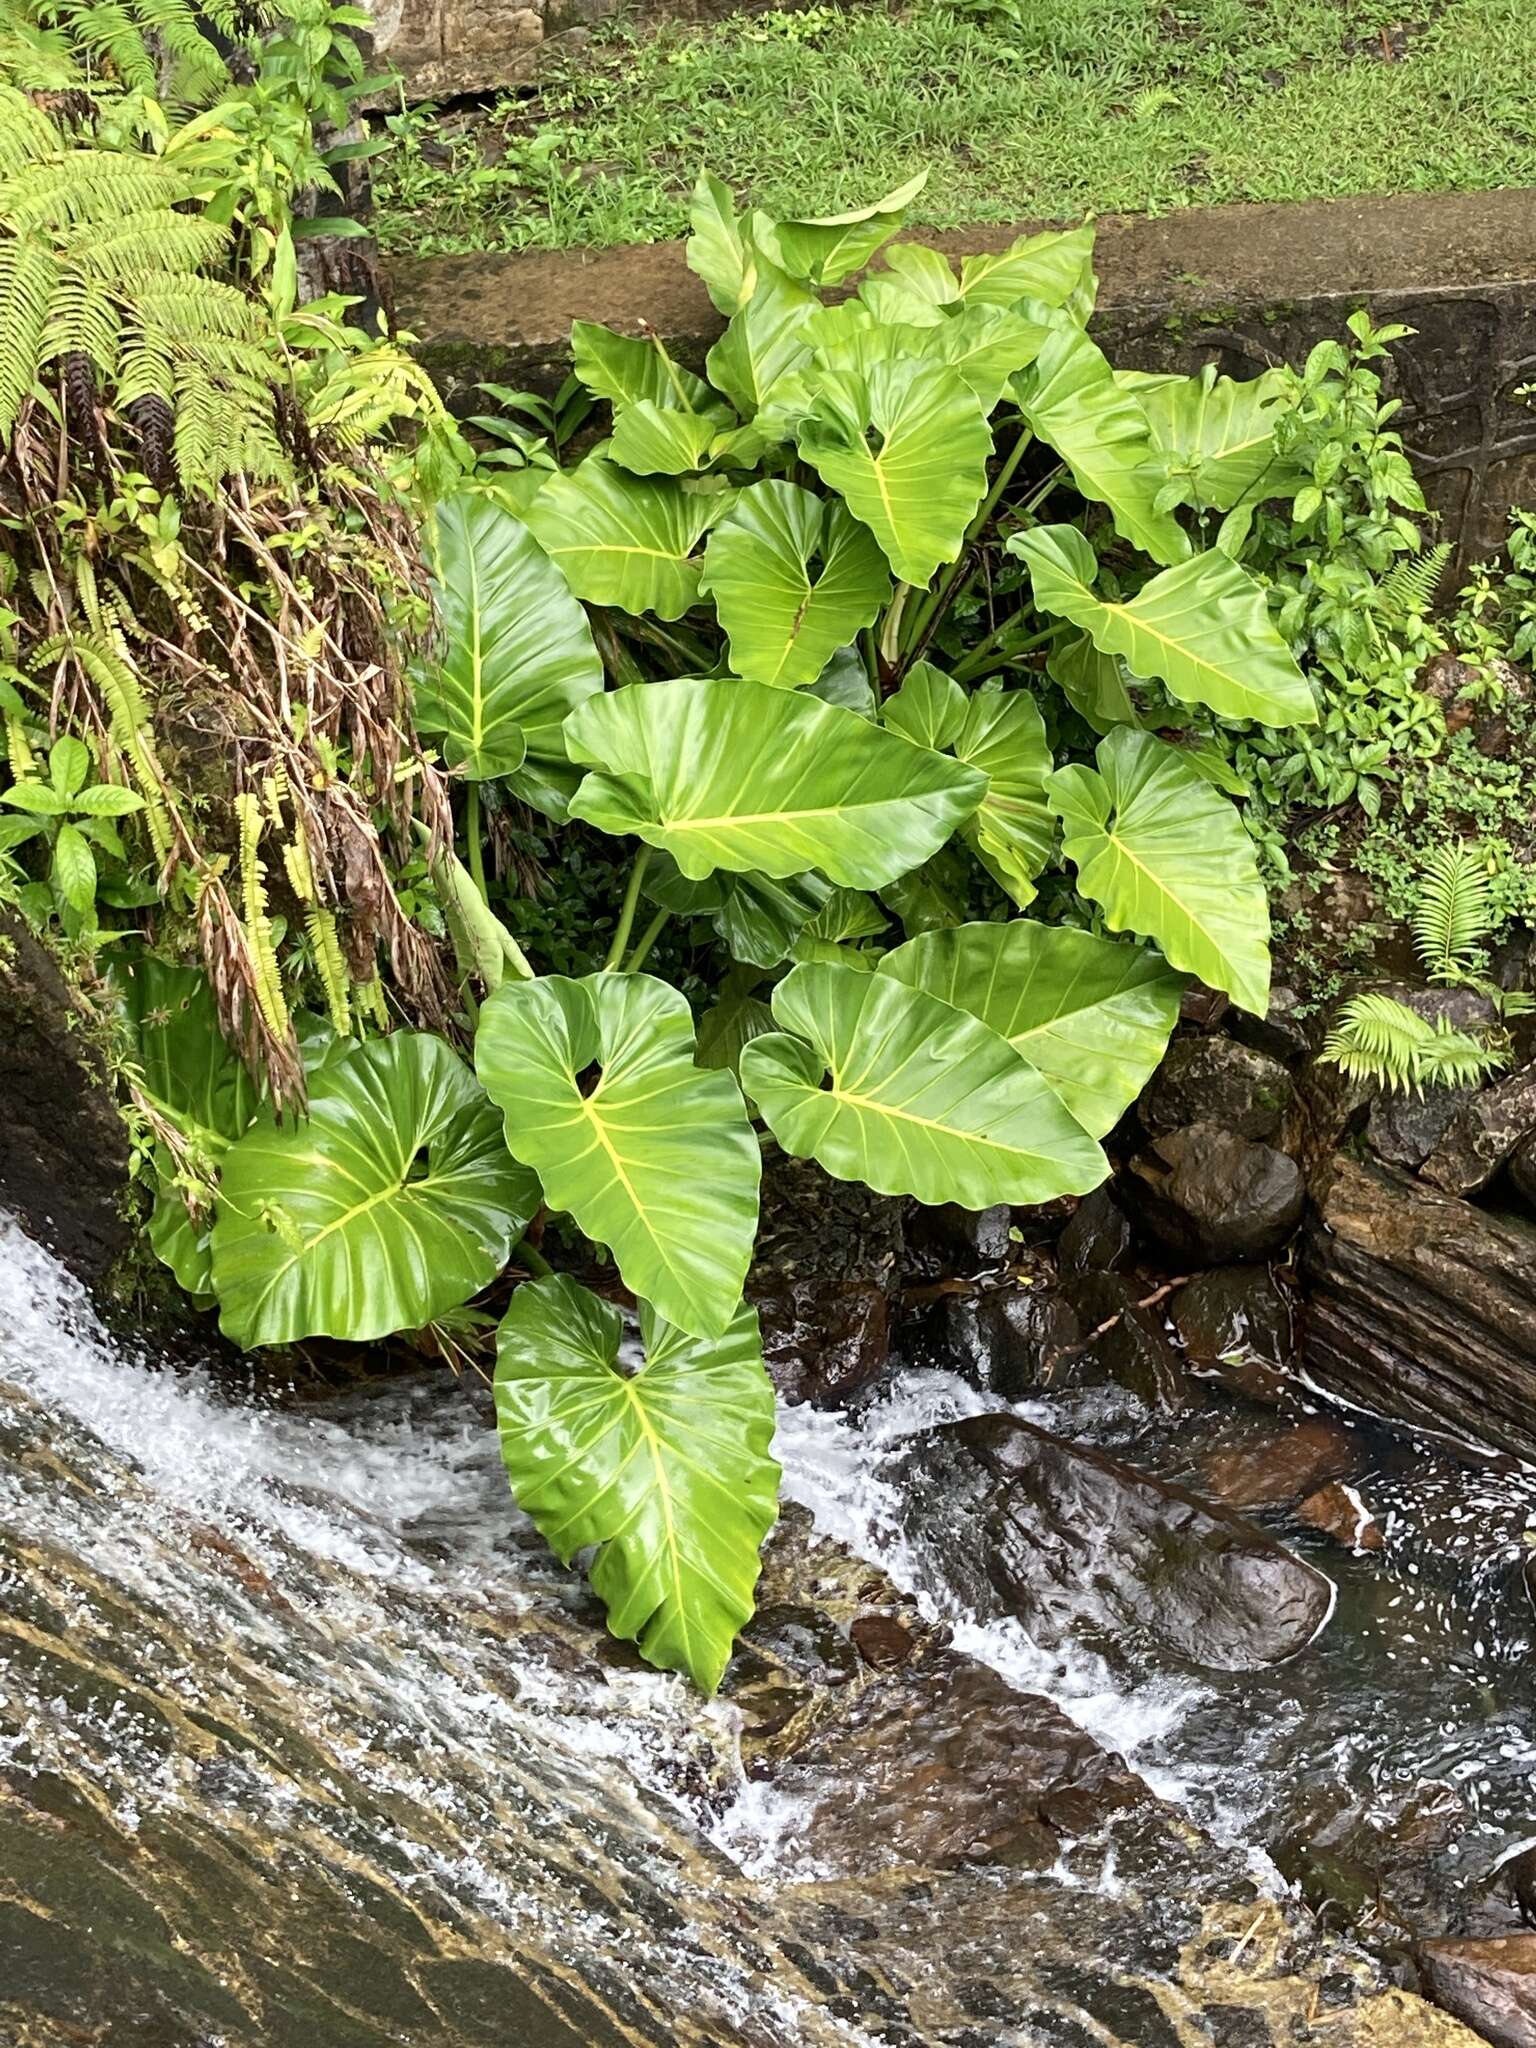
<point x="1236" y="1326"/>
<point x="1280" y="1031"/>
<point x="1066" y="1538"/>
<point x="1010" y="1339"/>
<point x="1134" y="1350"/>
<point x="1216" y="1081"/>
<point x="1490" y="1984"/>
<point x="1422" y="1307"/>
<point x="1213" y="1197"/>
<point x="829" y="1258"/>
<point x="1278" y="1470"/>
<point x="1522" y="1169"/>
<point x="1486" y="1129"/>
<point x="1404" y="1129"/>
<point x="63" y="1147"/>
<point x="963" y="1240"/>
<point x="1098" y="1238"/>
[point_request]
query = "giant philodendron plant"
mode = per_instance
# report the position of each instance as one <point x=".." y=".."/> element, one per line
<point x="894" y="620"/>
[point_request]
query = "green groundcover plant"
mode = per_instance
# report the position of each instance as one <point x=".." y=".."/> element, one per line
<point x="888" y="651"/>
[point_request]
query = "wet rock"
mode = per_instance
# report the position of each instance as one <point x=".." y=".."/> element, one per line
<point x="63" y="1148"/>
<point x="1213" y="1197"/>
<point x="1279" y="1032"/>
<point x="940" y="1762"/>
<point x="881" y="1640"/>
<point x="1065" y="1537"/>
<point x="1218" y="1081"/>
<point x="1422" y="1307"/>
<point x="1098" y="1238"/>
<point x="964" y="1240"/>
<point x="1520" y="1872"/>
<point x="1010" y="1339"/>
<point x="1489" y="1984"/>
<point x="1487" y="1128"/>
<point x="1279" y="1470"/>
<point x="824" y="1339"/>
<point x="1134" y="1351"/>
<point x="1340" y="1511"/>
<point x="1236" y="1326"/>
<point x="1522" y="1169"/>
<point x="1404" y="1129"/>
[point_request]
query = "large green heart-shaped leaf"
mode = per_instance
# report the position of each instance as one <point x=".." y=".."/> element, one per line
<point x="793" y="578"/>
<point x="191" y="1071"/>
<point x="1004" y="736"/>
<point x="1096" y="685"/>
<point x="624" y="540"/>
<point x="1070" y="399"/>
<point x="730" y="774"/>
<point x="930" y="707"/>
<point x="720" y="252"/>
<point x="654" y="1158"/>
<point x="666" y="1470"/>
<point x="915" y="285"/>
<point x="1093" y="1015"/>
<point x="983" y="345"/>
<point x="887" y="1085"/>
<point x="629" y="371"/>
<point x="1203" y="627"/>
<point x="828" y="249"/>
<point x="764" y="345"/>
<point x="393" y="1202"/>
<point x="1216" y="437"/>
<point x="1055" y="269"/>
<point x="1168" y="858"/>
<point x="918" y="487"/>
<point x="517" y="650"/>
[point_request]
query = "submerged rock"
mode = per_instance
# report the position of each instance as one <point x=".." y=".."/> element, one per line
<point x="1217" y="1081"/>
<point x="1341" y="1512"/>
<point x="1236" y="1326"/>
<point x="1063" y="1536"/>
<point x="1423" y="1307"/>
<point x="1210" y="1196"/>
<point x="1489" y="1984"/>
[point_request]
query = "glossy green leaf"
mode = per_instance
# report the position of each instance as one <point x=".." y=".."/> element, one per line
<point x="764" y="345"/>
<point x="720" y="251"/>
<point x="654" y="440"/>
<point x="517" y="653"/>
<point x="983" y="345"/>
<point x="628" y="371"/>
<point x="1204" y="627"/>
<point x="1166" y="857"/>
<point x="1055" y="269"/>
<point x="885" y="1084"/>
<point x="1013" y="829"/>
<point x="74" y="868"/>
<point x="756" y="917"/>
<point x="1095" y="685"/>
<point x="915" y="285"/>
<point x="1216" y="437"/>
<point x="733" y="1020"/>
<point x="929" y="708"/>
<point x="1094" y="1016"/>
<point x="826" y="250"/>
<point x="731" y="774"/>
<point x="654" y="1157"/>
<point x="917" y="487"/>
<point x="1070" y="399"/>
<point x="623" y="540"/>
<point x="392" y="1202"/>
<point x="794" y="578"/>
<point x="666" y="1470"/>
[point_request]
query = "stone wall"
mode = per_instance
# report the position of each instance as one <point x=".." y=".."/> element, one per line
<point x="1242" y="286"/>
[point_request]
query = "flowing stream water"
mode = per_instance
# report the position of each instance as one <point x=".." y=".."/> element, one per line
<point x="304" y="1739"/>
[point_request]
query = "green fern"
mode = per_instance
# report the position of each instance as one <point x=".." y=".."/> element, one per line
<point x="168" y="50"/>
<point x="98" y="261"/>
<point x="1379" y="1040"/>
<point x="1408" y="591"/>
<point x="1453" y="913"/>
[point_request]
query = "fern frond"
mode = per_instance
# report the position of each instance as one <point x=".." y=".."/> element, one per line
<point x="268" y="986"/>
<point x="1408" y="591"/>
<point x="26" y="133"/>
<point x="320" y="925"/>
<point x="1453" y="913"/>
<point x="1378" y="1040"/>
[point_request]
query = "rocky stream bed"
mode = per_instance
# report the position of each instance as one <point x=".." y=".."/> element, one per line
<point x="1120" y="1677"/>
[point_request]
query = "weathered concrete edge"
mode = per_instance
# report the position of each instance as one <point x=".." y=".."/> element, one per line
<point x="497" y="314"/>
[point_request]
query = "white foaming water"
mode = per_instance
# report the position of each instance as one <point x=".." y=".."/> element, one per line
<point x="837" y="1466"/>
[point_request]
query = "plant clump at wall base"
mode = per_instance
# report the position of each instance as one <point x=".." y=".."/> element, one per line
<point x="495" y="843"/>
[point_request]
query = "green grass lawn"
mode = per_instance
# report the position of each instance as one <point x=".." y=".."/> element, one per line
<point x="1028" y="108"/>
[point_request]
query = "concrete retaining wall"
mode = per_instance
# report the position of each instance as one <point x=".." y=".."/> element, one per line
<point x="1242" y="286"/>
